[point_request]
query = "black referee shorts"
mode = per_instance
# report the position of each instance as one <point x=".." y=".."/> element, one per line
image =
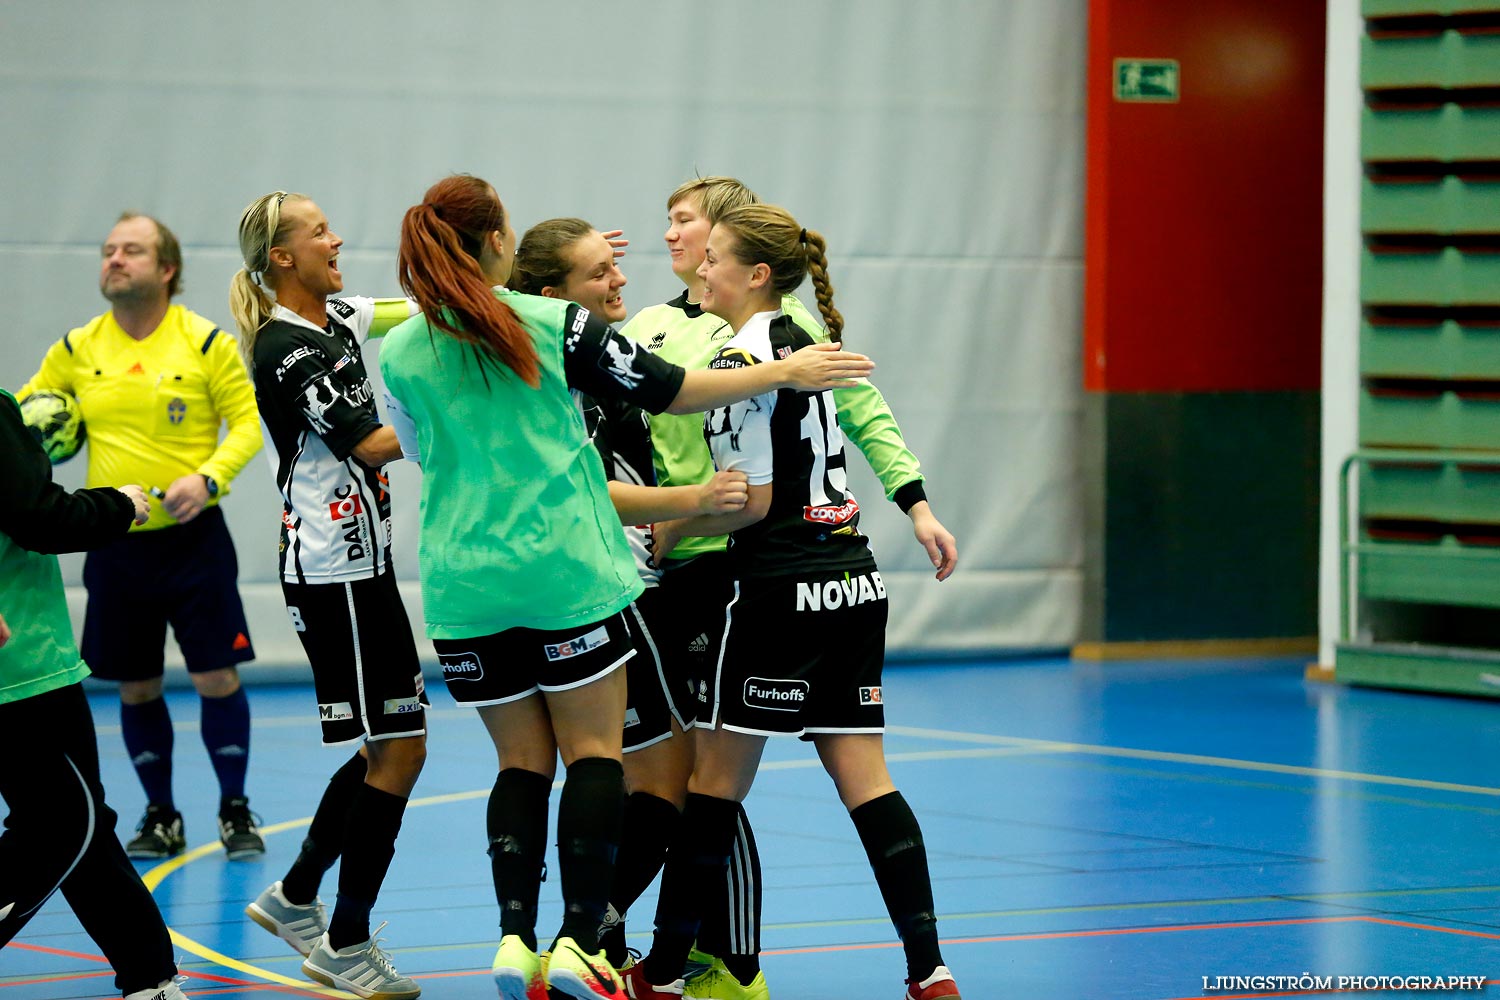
<point x="183" y="576"/>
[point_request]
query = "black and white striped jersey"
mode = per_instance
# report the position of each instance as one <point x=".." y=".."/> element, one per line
<point x="316" y="403"/>
<point x="791" y="440"/>
<point x="622" y="436"/>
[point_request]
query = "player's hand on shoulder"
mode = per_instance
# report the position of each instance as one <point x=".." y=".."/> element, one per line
<point x="138" y="498"/>
<point x="186" y="498"/>
<point x="824" y="366"/>
<point x="727" y="492"/>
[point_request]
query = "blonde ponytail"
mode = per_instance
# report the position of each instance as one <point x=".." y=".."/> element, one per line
<point x="251" y="308"/>
<point x="260" y="229"/>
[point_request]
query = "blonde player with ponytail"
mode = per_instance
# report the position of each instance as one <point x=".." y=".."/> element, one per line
<point x="328" y="447"/>
<point x="804" y="641"/>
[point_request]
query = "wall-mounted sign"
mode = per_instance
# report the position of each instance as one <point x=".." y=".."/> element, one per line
<point x="1150" y="80"/>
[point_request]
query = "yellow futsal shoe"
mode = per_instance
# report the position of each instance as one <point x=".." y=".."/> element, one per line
<point x="719" y="984"/>
<point x="573" y="972"/>
<point x="518" y="971"/>
<point x="699" y="962"/>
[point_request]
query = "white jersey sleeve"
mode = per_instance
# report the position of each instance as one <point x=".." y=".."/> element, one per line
<point x="405" y="427"/>
<point x="739" y="435"/>
<point x="357" y="312"/>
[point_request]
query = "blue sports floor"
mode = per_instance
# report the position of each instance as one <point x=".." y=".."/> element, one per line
<point x="1095" y="831"/>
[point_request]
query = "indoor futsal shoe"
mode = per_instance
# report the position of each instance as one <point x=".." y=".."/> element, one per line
<point x="720" y="984"/>
<point x="301" y="926"/>
<point x="239" y="830"/>
<point x="363" y="969"/>
<point x="166" y="990"/>
<point x="938" y="986"/>
<point x="518" y="971"/>
<point x="636" y="987"/>
<point x="699" y="962"/>
<point x="159" y="835"/>
<point x="573" y="972"/>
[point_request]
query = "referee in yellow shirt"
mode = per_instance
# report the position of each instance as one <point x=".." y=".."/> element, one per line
<point x="155" y="381"/>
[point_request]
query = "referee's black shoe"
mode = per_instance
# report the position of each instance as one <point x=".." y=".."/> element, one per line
<point x="159" y="835"/>
<point x="239" y="829"/>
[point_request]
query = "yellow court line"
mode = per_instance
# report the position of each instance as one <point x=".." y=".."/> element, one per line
<point x="157" y="874"/>
<point x="998" y="746"/>
<point x="1055" y="746"/>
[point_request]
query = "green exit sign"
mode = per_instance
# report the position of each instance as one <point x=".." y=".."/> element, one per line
<point x="1152" y="80"/>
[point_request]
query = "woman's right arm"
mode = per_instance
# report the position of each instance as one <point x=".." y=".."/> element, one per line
<point x="602" y="362"/>
<point x="809" y="369"/>
<point x="724" y="494"/>
<point x="41" y="516"/>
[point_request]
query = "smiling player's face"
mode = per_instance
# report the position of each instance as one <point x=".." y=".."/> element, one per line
<point x="594" y="280"/>
<point x="726" y="281"/>
<point x="314" y="248"/>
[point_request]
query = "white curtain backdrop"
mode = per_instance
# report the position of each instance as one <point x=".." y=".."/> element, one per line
<point x="939" y="146"/>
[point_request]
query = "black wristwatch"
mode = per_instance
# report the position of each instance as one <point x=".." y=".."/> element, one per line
<point x="213" y="487"/>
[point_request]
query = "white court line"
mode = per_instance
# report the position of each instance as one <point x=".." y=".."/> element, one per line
<point x="1014" y="745"/>
<point x="1054" y="746"/>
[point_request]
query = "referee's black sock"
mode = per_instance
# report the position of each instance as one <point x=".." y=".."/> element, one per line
<point x="649" y="826"/>
<point x="893" y="842"/>
<point x="325" y="835"/>
<point x="224" y="724"/>
<point x="589" y="814"/>
<point x="147" y="728"/>
<point x="516" y="822"/>
<point x="698" y="858"/>
<point x="369" y="844"/>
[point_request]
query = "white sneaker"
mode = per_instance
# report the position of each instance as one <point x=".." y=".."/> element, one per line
<point x="363" y="969"/>
<point x="167" y="990"/>
<point x="301" y="926"/>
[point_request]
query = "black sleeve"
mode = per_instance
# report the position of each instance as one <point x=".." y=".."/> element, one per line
<point x="601" y="362"/>
<point x="297" y="373"/>
<point x="40" y="515"/>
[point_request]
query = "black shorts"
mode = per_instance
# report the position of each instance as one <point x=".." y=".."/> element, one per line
<point x="510" y="665"/>
<point x="656" y="694"/>
<point x="697" y="592"/>
<point x="803" y="656"/>
<point x="183" y="575"/>
<point x="364" y="660"/>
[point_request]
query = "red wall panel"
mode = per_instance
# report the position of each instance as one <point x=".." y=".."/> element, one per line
<point x="1204" y="217"/>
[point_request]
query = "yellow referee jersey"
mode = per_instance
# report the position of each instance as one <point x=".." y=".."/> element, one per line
<point x="153" y="407"/>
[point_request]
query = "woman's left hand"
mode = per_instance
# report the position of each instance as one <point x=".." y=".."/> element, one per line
<point x="823" y="366"/>
<point x="941" y="546"/>
<point x="664" y="538"/>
